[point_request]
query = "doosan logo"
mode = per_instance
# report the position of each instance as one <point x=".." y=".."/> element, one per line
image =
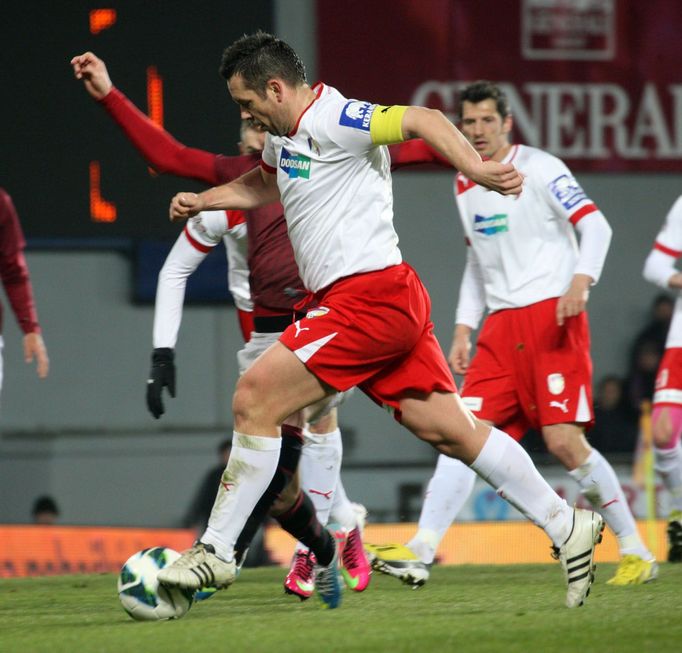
<point x="295" y="165"/>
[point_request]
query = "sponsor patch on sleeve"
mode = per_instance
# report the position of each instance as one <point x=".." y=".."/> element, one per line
<point x="568" y="191"/>
<point x="357" y="115"/>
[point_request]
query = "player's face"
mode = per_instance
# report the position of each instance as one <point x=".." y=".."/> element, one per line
<point x="485" y="128"/>
<point x="252" y="141"/>
<point x="264" y="111"/>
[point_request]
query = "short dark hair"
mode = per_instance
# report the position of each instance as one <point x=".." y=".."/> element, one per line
<point x="485" y="90"/>
<point x="45" y="504"/>
<point x="259" y="57"/>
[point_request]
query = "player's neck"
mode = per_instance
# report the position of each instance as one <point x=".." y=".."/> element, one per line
<point x="501" y="153"/>
<point x="304" y="97"/>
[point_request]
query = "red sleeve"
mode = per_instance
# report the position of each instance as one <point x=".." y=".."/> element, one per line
<point x="157" y="146"/>
<point x="413" y="152"/>
<point x="13" y="268"/>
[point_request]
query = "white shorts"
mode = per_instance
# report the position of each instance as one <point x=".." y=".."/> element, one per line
<point x="258" y="343"/>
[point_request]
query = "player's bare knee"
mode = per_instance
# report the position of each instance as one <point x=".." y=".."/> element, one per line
<point x="325" y="424"/>
<point x="567" y="445"/>
<point x="662" y="430"/>
<point x="248" y="402"/>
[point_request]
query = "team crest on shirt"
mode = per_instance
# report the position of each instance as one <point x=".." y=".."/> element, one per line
<point x="295" y="165"/>
<point x="489" y="225"/>
<point x="357" y="115"/>
<point x="556" y="383"/>
<point x="319" y="311"/>
<point x="567" y="190"/>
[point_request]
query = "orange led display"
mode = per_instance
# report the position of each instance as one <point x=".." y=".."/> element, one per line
<point x="101" y="19"/>
<point x="101" y="210"/>
<point x="155" y="95"/>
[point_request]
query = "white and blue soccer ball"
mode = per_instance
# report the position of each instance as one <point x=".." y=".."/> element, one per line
<point x="141" y="595"/>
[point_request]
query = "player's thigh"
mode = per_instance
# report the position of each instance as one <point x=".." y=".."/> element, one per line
<point x="277" y="383"/>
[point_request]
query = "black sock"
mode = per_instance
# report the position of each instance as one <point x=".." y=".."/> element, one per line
<point x="289" y="455"/>
<point x="301" y="522"/>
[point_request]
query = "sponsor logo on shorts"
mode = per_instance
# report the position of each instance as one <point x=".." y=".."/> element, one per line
<point x="317" y="312"/>
<point x="295" y="165"/>
<point x="299" y="328"/>
<point x="561" y="405"/>
<point x="556" y="383"/>
<point x="568" y="191"/>
<point x="489" y="225"/>
<point x="357" y="115"/>
<point x="474" y="404"/>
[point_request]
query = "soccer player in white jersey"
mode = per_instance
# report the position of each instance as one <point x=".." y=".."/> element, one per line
<point x="325" y="158"/>
<point x="532" y="366"/>
<point x="666" y="418"/>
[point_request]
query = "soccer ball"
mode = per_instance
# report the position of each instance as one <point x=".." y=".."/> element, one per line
<point x="141" y="595"/>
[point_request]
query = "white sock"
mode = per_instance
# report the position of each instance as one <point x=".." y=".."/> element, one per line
<point x="343" y="511"/>
<point x="600" y="486"/>
<point x="319" y="470"/>
<point x="668" y="463"/>
<point x="505" y="465"/>
<point x="250" y="468"/>
<point x="446" y="493"/>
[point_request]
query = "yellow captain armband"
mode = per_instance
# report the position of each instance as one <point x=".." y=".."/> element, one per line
<point x="386" y="124"/>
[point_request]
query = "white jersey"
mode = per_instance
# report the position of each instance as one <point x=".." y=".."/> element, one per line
<point x="335" y="185"/>
<point x="524" y="248"/>
<point x="660" y="266"/>
<point x="201" y="234"/>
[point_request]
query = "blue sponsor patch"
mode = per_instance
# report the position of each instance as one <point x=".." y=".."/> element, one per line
<point x="357" y="115"/>
<point x="568" y="191"/>
<point x="295" y="165"/>
<point x="489" y="225"/>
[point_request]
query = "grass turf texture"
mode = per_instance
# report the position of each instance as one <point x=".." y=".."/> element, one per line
<point x="465" y="608"/>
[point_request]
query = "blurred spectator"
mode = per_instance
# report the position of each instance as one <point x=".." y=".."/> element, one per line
<point x="647" y="351"/>
<point x="200" y="509"/>
<point x="45" y="511"/>
<point x="615" y="421"/>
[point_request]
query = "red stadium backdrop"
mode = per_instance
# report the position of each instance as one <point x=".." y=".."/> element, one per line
<point x="596" y="82"/>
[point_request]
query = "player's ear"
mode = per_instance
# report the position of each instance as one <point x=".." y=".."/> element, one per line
<point x="277" y="88"/>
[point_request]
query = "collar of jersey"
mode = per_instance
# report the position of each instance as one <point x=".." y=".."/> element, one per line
<point x="318" y="88"/>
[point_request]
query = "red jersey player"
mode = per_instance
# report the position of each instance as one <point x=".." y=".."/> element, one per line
<point x="17" y="284"/>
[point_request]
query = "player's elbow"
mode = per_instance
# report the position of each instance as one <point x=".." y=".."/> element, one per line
<point x="418" y="121"/>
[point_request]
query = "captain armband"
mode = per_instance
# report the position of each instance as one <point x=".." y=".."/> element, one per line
<point x="385" y="126"/>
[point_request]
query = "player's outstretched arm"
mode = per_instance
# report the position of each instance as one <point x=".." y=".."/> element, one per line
<point x="442" y="135"/>
<point x="252" y="190"/>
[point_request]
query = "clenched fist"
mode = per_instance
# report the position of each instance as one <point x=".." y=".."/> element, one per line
<point x="184" y="206"/>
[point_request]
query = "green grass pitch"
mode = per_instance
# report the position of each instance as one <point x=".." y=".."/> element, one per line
<point x="464" y="608"/>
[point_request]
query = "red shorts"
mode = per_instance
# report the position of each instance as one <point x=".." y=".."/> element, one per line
<point x="668" y="390"/>
<point x="529" y="372"/>
<point x="373" y="330"/>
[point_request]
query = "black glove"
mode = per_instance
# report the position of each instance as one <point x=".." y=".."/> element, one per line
<point x="161" y="374"/>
